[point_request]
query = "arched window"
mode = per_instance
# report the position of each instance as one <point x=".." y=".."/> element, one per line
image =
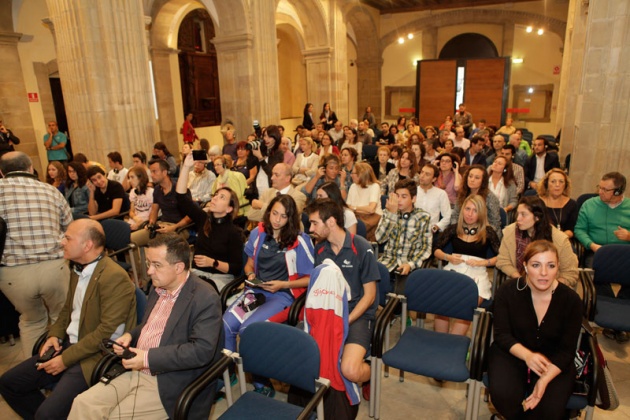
<point x="469" y="45"/>
<point x="198" y="69"/>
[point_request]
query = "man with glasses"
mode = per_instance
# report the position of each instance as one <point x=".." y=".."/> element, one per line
<point x="180" y="335"/>
<point x="605" y="220"/>
<point x="55" y="143"/>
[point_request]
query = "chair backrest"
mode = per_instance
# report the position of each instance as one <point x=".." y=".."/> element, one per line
<point x="282" y="352"/>
<point x="385" y="285"/>
<point x="369" y="152"/>
<point x="361" y="229"/>
<point x="442" y="292"/>
<point x="117" y="233"/>
<point x="3" y="236"/>
<point x="141" y="303"/>
<point x="503" y="215"/>
<point x="611" y="264"/>
<point x="582" y="198"/>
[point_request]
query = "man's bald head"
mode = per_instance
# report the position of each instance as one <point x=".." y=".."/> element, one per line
<point x="281" y="176"/>
<point x="91" y="230"/>
<point x="15" y="162"/>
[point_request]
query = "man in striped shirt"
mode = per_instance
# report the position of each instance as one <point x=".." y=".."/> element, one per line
<point x="180" y="335"/>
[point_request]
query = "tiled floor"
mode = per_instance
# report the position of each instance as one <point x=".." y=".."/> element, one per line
<point x="416" y="398"/>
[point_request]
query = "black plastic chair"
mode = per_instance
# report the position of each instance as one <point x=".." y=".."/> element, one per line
<point x="118" y="240"/>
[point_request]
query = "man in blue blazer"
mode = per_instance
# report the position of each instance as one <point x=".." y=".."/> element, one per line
<point x="180" y="335"/>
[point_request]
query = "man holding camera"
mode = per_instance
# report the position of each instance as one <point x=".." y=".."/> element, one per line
<point x="101" y="304"/>
<point x="7" y="140"/>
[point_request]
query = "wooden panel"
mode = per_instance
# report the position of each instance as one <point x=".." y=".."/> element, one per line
<point x="437" y="91"/>
<point x="484" y="89"/>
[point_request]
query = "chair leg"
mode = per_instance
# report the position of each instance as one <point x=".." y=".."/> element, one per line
<point x="387" y="348"/>
<point x="373" y="373"/>
<point x="228" y="388"/>
<point x="472" y="391"/>
<point x="377" y="396"/>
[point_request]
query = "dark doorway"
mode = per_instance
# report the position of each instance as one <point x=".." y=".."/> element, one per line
<point x="469" y="45"/>
<point x="60" y="111"/>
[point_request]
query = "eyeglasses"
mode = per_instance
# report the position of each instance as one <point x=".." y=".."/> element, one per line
<point x="156" y="265"/>
<point x="598" y="188"/>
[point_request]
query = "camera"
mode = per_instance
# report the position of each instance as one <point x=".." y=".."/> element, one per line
<point x="153" y="230"/>
<point x="253" y="145"/>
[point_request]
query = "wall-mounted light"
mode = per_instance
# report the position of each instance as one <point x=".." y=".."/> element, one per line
<point x="410" y="35"/>
<point x="401" y="40"/>
<point x="540" y="31"/>
<point x="414" y="61"/>
<point x="517" y="60"/>
<point x="530" y="90"/>
<point x="529" y="29"/>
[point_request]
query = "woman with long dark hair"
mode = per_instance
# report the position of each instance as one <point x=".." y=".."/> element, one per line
<point x="407" y="167"/>
<point x="218" y="254"/>
<point x="532" y="224"/>
<point x="77" y="193"/>
<point x="161" y="151"/>
<point x="327" y="117"/>
<point x="140" y="197"/>
<point x="268" y="154"/>
<point x="308" y="120"/>
<point x="331" y="190"/>
<point x="503" y="184"/>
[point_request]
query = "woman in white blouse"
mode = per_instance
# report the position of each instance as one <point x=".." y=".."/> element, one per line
<point x="364" y="198"/>
<point x="305" y="164"/>
<point x="503" y="184"/>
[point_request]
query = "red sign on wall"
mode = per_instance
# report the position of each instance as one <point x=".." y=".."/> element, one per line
<point x="33" y="97"/>
<point x="556" y="70"/>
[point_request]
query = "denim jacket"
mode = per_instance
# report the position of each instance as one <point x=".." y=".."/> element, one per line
<point x="78" y="198"/>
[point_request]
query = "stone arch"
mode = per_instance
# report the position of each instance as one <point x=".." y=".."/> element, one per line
<point x="490" y="16"/>
<point x="468" y="45"/>
<point x="313" y="21"/>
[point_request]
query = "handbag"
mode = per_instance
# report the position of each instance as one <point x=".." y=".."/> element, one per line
<point x="607" y="398"/>
<point x="251" y="192"/>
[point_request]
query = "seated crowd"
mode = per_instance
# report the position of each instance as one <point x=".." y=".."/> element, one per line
<point x="272" y="209"/>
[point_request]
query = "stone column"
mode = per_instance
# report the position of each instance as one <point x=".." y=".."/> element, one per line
<point x="248" y="71"/>
<point x="104" y="71"/>
<point x="369" y="84"/>
<point x="14" y="106"/>
<point x="508" y="39"/>
<point x="429" y="43"/>
<point x="318" y="76"/>
<point x="596" y="89"/>
<point x="338" y="95"/>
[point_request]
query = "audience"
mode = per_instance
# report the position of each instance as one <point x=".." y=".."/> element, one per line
<point x="160" y="151"/>
<point x="56" y="175"/>
<point x="449" y="179"/>
<point x="76" y="192"/>
<point x="539" y="164"/>
<point x="364" y="198"/>
<point x="107" y="198"/>
<point x="532" y="224"/>
<point x="140" y="198"/>
<point x="305" y="164"/>
<point x="232" y="179"/>
<point x="331" y="190"/>
<point x="555" y="191"/>
<point x="327" y="171"/>
<point x="433" y="200"/>
<point x="118" y="172"/>
<point x="281" y="184"/>
<point x="406" y="168"/>
<point x="502" y="184"/>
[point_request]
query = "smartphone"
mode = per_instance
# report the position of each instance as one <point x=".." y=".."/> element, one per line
<point x="255" y="282"/>
<point x="46" y="356"/>
<point x="199" y="155"/>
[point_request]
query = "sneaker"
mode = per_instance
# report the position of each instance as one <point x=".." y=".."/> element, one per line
<point x="267" y="391"/>
<point x="621" y="337"/>
<point x="366" y="391"/>
<point x="610" y="334"/>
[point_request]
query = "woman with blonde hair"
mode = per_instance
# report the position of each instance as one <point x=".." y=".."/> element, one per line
<point x="472" y="241"/>
<point x="555" y="191"/>
<point x="234" y="180"/>
<point x="364" y="198"/>
<point x="305" y="164"/>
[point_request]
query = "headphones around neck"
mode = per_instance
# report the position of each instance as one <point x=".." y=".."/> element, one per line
<point x="78" y="268"/>
<point x="621" y="189"/>
<point x="406" y="216"/>
<point x="470" y="231"/>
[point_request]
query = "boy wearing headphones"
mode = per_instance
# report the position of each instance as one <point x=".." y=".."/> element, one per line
<point x="405" y="230"/>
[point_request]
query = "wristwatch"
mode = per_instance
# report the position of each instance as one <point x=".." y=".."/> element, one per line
<point x="215" y="264"/>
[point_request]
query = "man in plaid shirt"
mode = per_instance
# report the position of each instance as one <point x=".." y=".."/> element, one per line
<point x="405" y="229"/>
<point x="33" y="273"/>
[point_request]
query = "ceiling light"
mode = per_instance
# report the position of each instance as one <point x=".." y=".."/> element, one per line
<point x="410" y="36"/>
<point x="529" y="29"/>
<point x="541" y="31"/>
<point x="530" y="90"/>
<point x="401" y="40"/>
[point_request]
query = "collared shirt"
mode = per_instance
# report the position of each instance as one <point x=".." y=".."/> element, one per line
<point x="435" y="202"/>
<point x="408" y="240"/>
<point x="200" y="185"/>
<point x="37" y="216"/>
<point x="152" y="331"/>
<point x="285" y="190"/>
<point x="540" y="167"/>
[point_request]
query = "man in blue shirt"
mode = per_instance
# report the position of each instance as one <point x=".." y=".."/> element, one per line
<point x="55" y="142"/>
<point x="355" y="258"/>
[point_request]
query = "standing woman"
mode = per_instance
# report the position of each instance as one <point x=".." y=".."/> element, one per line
<point x="350" y="140"/>
<point x="327" y="146"/>
<point x="308" y="121"/>
<point x="140" y="197"/>
<point x="449" y="178"/>
<point x="364" y="198"/>
<point x="555" y="191"/>
<point x="327" y="117"/>
<point x="187" y="130"/>
<point x="407" y="167"/>
<point x="56" y="176"/>
<point x="537" y="323"/>
<point x="532" y="223"/>
<point x="472" y="240"/>
<point x="502" y="183"/>
<point x="475" y="181"/>
<point x="77" y="193"/>
<point x="219" y="247"/>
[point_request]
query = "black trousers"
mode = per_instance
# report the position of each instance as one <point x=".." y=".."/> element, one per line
<point x="20" y="387"/>
<point x="509" y="387"/>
